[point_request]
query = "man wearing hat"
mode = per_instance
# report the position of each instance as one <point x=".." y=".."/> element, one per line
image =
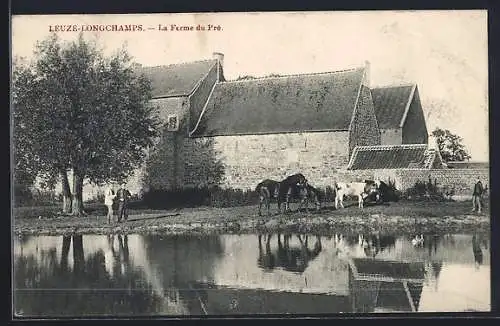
<point x="477" y="196"/>
<point x="122" y="196"/>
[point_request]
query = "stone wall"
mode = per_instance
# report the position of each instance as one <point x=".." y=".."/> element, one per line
<point x="248" y="159"/>
<point x="461" y="179"/>
<point x="391" y="137"/>
<point x="364" y="128"/>
<point x="160" y="169"/>
<point x="414" y="129"/>
<point x="171" y="106"/>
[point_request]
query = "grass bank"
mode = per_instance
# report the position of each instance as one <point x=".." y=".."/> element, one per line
<point x="401" y="217"/>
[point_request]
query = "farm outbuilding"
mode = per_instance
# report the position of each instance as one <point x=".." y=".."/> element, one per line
<point x="234" y="133"/>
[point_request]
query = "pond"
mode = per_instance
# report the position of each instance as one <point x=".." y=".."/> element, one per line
<point x="149" y="275"/>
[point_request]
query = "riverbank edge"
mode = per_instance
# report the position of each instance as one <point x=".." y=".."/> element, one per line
<point x="310" y="225"/>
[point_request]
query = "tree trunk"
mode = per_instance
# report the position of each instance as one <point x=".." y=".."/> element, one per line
<point x="66" y="191"/>
<point x="77" y="203"/>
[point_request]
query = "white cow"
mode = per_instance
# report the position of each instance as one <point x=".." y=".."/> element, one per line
<point x="357" y="189"/>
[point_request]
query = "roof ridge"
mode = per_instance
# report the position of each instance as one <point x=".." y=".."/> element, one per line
<point x="404" y="84"/>
<point x="291" y="75"/>
<point x="179" y="64"/>
<point x="465" y="162"/>
<point x="389" y="147"/>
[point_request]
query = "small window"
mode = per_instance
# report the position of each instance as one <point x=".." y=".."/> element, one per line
<point x="172" y="123"/>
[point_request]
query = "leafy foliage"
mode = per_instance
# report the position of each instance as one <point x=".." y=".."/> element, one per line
<point x="246" y="77"/>
<point x="75" y="109"/>
<point x="195" y="197"/>
<point x="427" y="191"/>
<point x="450" y="146"/>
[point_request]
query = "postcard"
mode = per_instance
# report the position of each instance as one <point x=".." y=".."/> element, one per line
<point x="248" y="164"/>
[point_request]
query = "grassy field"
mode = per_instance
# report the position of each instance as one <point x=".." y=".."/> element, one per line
<point x="398" y="217"/>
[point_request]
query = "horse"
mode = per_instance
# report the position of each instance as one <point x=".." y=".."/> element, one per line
<point x="290" y="187"/>
<point x="356" y="189"/>
<point x="309" y="194"/>
<point x="267" y="189"/>
<point x="283" y="191"/>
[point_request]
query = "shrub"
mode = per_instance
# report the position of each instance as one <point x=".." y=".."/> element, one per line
<point x="427" y="190"/>
<point x="389" y="191"/>
<point x="232" y="197"/>
<point x="22" y="195"/>
<point x="25" y="196"/>
<point x="194" y="197"/>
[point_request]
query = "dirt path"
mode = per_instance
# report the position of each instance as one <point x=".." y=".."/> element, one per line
<point x="403" y="217"/>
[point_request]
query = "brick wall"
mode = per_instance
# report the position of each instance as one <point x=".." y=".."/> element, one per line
<point x="364" y="129"/>
<point x="391" y="137"/>
<point x="414" y="129"/>
<point x="246" y="160"/>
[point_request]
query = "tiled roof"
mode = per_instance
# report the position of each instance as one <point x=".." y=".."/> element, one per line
<point x="309" y="102"/>
<point x="388" y="157"/>
<point x="176" y="79"/>
<point x="390" y="104"/>
<point x="388" y="269"/>
<point x="468" y="165"/>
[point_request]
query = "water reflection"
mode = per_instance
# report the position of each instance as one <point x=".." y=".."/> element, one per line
<point x="291" y="258"/>
<point x="266" y="273"/>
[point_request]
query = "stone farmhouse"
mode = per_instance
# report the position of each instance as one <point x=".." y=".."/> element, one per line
<point x="236" y="133"/>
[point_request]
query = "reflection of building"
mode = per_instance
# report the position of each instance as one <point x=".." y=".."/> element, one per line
<point x="226" y="300"/>
<point x="377" y="285"/>
<point x="221" y="275"/>
<point x="374" y="286"/>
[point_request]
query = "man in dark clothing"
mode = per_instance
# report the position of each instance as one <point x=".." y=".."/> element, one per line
<point x="123" y="197"/>
<point x="477" y="196"/>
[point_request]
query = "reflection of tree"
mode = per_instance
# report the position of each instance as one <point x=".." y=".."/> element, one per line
<point x="78" y="256"/>
<point x="55" y="289"/>
<point x="64" y="253"/>
<point x="293" y="259"/>
<point x="186" y="264"/>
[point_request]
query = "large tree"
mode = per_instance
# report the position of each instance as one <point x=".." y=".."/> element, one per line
<point x="450" y="146"/>
<point x="77" y="110"/>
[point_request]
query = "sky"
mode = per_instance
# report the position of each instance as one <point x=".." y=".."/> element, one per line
<point x="444" y="52"/>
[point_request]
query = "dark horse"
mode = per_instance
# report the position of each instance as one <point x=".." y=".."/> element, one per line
<point x="309" y="194"/>
<point x="290" y="258"/>
<point x="292" y="186"/>
<point x="267" y="189"/>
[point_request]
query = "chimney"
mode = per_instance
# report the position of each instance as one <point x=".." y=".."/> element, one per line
<point x="367" y="74"/>
<point x="432" y="142"/>
<point x="219" y="57"/>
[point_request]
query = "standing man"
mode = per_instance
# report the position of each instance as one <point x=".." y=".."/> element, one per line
<point x="123" y="196"/>
<point x="477" y="196"/>
<point x="109" y="196"/>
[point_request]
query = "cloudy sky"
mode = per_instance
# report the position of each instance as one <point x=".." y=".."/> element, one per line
<point x="444" y="52"/>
